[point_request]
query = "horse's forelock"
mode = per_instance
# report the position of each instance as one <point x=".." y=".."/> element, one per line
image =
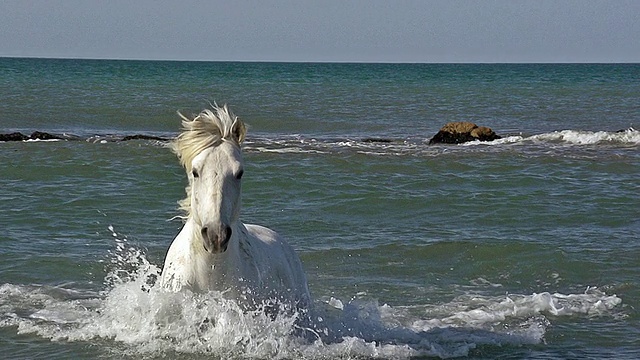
<point x="207" y="129"/>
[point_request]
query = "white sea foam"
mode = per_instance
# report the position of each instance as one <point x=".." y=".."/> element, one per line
<point x="630" y="137"/>
<point x="141" y="319"/>
<point x="42" y="140"/>
<point x="400" y="147"/>
<point x="571" y="137"/>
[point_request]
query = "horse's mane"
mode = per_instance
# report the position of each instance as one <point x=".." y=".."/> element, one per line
<point x="209" y="128"/>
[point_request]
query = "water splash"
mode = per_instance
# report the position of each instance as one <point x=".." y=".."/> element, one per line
<point x="577" y="137"/>
<point x="137" y="318"/>
<point x="629" y="137"/>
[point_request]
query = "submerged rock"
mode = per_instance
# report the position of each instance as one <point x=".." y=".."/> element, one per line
<point x="38" y="135"/>
<point x="463" y="131"/>
<point x="143" y="137"/>
<point x="377" y="140"/>
<point x="16" y="136"/>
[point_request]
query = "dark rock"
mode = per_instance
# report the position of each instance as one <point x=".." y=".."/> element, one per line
<point x="460" y="132"/>
<point x="377" y="140"/>
<point x="143" y="137"/>
<point x="16" y="136"/>
<point x="38" y="135"/>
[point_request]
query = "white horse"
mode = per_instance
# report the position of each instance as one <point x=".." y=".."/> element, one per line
<point x="215" y="250"/>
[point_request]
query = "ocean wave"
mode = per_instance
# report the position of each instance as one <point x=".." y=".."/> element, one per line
<point x="576" y="137"/>
<point x="140" y="319"/>
<point x="375" y="146"/>
<point x="39" y="136"/>
<point x="154" y="322"/>
<point x="415" y="146"/>
<point x="571" y="137"/>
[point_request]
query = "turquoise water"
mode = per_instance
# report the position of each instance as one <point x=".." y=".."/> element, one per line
<point x="525" y="247"/>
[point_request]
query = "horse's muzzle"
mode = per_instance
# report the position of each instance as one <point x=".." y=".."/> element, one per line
<point x="216" y="239"/>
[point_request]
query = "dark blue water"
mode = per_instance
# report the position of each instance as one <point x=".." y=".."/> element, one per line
<point x="525" y="247"/>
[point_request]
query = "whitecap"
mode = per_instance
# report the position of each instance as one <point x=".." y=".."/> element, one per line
<point x="578" y="137"/>
<point x="141" y="319"/>
<point x="568" y="137"/>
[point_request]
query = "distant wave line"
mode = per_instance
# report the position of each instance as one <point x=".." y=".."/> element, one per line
<point x="289" y="143"/>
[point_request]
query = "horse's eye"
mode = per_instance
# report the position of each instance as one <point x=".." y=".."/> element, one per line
<point x="195" y="174"/>
<point x="239" y="175"/>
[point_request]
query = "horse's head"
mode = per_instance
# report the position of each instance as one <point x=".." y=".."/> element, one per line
<point x="209" y="149"/>
<point x="215" y="193"/>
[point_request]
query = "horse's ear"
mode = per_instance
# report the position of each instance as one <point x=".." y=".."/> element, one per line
<point x="238" y="131"/>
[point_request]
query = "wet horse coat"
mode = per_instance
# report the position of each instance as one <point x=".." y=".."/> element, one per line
<point x="215" y="251"/>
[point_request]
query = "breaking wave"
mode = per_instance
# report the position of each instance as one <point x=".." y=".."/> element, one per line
<point x="135" y="317"/>
<point x="379" y="146"/>
<point x="419" y="146"/>
<point x="627" y="137"/>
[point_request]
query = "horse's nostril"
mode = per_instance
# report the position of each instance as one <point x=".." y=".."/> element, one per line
<point x="215" y="238"/>
<point x="228" y="234"/>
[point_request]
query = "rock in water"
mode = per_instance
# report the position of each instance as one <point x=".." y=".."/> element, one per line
<point x="39" y="135"/>
<point x="16" y="136"/>
<point x="36" y="135"/>
<point x="484" y="133"/>
<point x="143" y="137"/>
<point x="463" y="131"/>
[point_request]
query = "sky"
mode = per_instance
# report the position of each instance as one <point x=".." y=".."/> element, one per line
<point x="422" y="31"/>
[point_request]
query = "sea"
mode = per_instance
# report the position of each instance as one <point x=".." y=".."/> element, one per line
<point x="526" y="247"/>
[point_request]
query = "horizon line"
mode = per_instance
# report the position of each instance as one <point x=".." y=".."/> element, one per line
<point x="321" y="61"/>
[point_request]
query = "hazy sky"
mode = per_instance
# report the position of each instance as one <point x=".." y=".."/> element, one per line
<point x="342" y="30"/>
